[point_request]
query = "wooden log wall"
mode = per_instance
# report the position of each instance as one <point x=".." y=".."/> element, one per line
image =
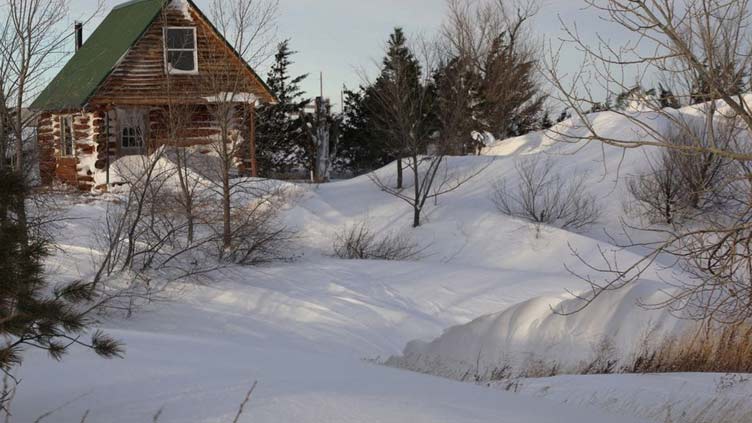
<point x="197" y="126"/>
<point x="141" y="78"/>
<point x="89" y="133"/>
<point x="47" y="148"/>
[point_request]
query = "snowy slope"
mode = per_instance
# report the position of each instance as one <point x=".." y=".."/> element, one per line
<point x="301" y="331"/>
<point x="531" y="331"/>
<point x="303" y="328"/>
<point x="530" y="337"/>
<point x="676" y="397"/>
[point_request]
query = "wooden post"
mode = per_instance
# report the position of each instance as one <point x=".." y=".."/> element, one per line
<point x="252" y="139"/>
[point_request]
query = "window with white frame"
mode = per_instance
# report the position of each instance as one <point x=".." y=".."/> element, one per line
<point x="67" y="142"/>
<point x="131" y="138"/>
<point x="180" y="50"/>
<point x="132" y="130"/>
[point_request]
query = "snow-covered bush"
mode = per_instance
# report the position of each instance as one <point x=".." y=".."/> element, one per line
<point x="359" y="241"/>
<point x="544" y="197"/>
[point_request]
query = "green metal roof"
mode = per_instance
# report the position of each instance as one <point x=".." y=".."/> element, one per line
<point x="90" y="66"/>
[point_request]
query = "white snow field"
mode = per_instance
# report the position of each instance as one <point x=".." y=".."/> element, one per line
<point x="310" y="330"/>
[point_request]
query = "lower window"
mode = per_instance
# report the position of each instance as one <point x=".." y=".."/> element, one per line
<point x="132" y="138"/>
<point x="68" y="144"/>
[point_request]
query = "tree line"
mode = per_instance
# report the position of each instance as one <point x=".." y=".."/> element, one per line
<point x="457" y="90"/>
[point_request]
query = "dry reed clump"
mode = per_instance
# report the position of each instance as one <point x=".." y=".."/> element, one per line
<point x="725" y="350"/>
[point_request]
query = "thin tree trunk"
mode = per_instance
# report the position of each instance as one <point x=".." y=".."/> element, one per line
<point x="399" y="173"/>
<point x="418" y="205"/>
<point x="226" y="191"/>
<point x="3" y="137"/>
<point x="226" y="232"/>
<point x="19" y="128"/>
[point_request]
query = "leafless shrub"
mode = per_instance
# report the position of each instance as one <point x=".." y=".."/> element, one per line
<point x="544" y="197"/>
<point x="658" y="192"/>
<point x="681" y="184"/>
<point x="359" y="241"/>
<point x="146" y="237"/>
<point x="256" y="233"/>
<point x="702" y="51"/>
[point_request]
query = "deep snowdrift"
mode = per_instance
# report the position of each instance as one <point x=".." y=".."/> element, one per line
<point x="529" y="338"/>
<point x="303" y="328"/>
<point x="531" y="335"/>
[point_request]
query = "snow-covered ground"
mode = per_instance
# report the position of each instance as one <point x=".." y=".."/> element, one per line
<point x="678" y="397"/>
<point x="309" y="331"/>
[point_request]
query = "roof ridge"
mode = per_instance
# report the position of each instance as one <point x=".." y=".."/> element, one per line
<point x="132" y="2"/>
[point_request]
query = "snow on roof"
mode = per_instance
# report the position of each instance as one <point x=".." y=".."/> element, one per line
<point x="228" y="97"/>
<point x="183" y="6"/>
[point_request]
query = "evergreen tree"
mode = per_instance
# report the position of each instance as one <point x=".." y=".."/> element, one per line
<point x="399" y="58"/>
<point x="625" y="97"/>
<point x="600" y="107"/>
<point x="361" y="148"/>
<point x="564" y="115"/>
<point x="727" y="78"/>
<point x="400" y="66"/>
<point x="279" y="134"/>
<point x="456" y="107"/>
<point x="33" y="312"/>
<point x="546" y="122"/>
<point x="667" y="98"/>
<point x="511" y="99"/>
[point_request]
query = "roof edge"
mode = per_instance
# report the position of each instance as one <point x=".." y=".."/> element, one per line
<point x="232" y="49"/>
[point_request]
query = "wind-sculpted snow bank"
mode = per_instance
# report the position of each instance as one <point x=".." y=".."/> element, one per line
<point x="543" y="337"/>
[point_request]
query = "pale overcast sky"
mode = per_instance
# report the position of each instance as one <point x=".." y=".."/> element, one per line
<point x="338" y="37"/>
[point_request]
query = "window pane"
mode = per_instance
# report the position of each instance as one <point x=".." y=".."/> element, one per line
<point x="181" y="60"/>
<point x="180" y="38"/>
<point x="66" y="128"/>
<point x="131" y="138"/>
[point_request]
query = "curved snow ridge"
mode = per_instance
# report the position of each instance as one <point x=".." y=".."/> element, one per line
<point x="535" y="337"/>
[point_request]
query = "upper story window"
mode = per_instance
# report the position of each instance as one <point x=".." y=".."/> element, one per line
<point x="180" y="50"/>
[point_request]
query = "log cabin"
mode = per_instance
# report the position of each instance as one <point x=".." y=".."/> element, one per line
<point x="119" y="93"/>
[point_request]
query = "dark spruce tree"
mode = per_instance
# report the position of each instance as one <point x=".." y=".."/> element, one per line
<point x="361" y="149"/>
<point x="280" y="134"/>
<point x="564" y="115"/>
<point x="34" y="313"/>
<point x="399" y="63"/>
<point x="546" y="122"/>
<point x="667" y="98"/>
<point x="728" y="80"/>
<point x="511" y="98"/>
<point x="455" y="107"/>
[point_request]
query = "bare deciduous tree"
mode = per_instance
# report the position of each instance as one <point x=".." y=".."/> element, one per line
<point x="250" y="26"/>
<point x="492" y="40"/>
<point x="249" y="231"/>
<point x="707" y="41"/>
<point x="405" y="111"/>
<point x="32" y="42"/>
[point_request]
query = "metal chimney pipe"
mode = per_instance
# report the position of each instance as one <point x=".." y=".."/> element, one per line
<point x="79" y="35"/>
